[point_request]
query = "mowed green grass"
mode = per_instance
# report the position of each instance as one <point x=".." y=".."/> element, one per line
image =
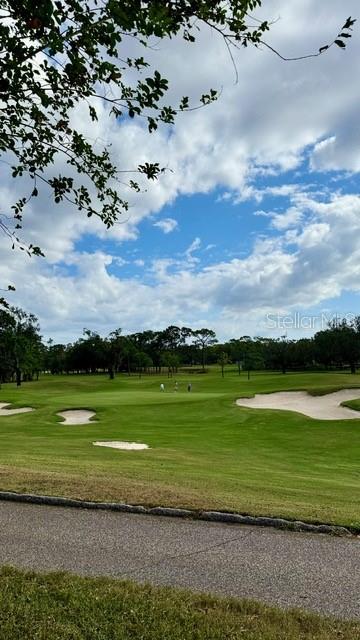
<point x="65" y="607"/>
<point x="206" y="452"/>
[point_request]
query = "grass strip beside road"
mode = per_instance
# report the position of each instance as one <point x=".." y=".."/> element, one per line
<point x="66" y="607"/>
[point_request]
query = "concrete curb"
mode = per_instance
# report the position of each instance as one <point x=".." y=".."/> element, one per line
<point x="210" y="516"/>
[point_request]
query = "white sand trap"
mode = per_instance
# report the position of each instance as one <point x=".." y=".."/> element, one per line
<point x="126" y="446"/>
<point x="12" y="412"/>
<point x="76" y="416"/>
<point x="325" y="407"/>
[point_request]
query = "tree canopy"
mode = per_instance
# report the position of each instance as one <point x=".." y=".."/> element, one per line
<point x="56" y="55"/>
<point x="21" y="349"/>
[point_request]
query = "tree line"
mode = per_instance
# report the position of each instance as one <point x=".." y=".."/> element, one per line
<point x="24" y="354"/>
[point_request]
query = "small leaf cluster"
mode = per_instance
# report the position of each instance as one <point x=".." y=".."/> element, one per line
<point x="342" y="36"/>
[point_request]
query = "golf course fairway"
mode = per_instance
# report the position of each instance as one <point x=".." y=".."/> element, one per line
<point x="204" y="450"/>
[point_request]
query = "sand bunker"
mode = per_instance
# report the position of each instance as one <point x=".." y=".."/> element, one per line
<point x="319" y="407"/>
<point x="76" y="416"/>
<point x="117" y="444"/>
<point x="12" y="412"/>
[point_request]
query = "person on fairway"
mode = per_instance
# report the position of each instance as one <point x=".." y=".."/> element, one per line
<point x="162" y="387"/>
<point x="176" y="386"/>
<point x="189" y="386"/>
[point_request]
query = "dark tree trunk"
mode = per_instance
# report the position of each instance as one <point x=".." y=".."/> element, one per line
<point x="18" y="377"/>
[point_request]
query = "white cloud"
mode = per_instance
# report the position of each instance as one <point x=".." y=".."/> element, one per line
<point x="225" y="295"/>
<point x="291" y="218"/>
<point x="314" y="235"/>
<point x="263" y="214"/>
<point x="194" y="246"/>
<point x="167" y="225"/>
<point x="338" y="153"/>
<point x="120" y="261"/>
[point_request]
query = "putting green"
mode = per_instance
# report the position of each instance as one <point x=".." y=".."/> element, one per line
<point x="204" y="451"/>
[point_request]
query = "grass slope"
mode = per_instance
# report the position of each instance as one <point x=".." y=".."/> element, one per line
<point x="205" y="451"/>
<point x="65" y="607"/>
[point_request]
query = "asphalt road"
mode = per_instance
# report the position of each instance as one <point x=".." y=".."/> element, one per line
<point x="315" y="572"/>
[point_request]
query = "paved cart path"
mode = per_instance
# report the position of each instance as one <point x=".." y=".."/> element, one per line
<point x="316" y="572"/>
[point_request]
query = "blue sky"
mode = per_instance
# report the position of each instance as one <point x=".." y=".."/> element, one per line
<point x="257" y="217"/>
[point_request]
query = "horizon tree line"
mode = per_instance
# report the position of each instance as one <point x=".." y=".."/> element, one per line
<point x="24" y="354"/>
